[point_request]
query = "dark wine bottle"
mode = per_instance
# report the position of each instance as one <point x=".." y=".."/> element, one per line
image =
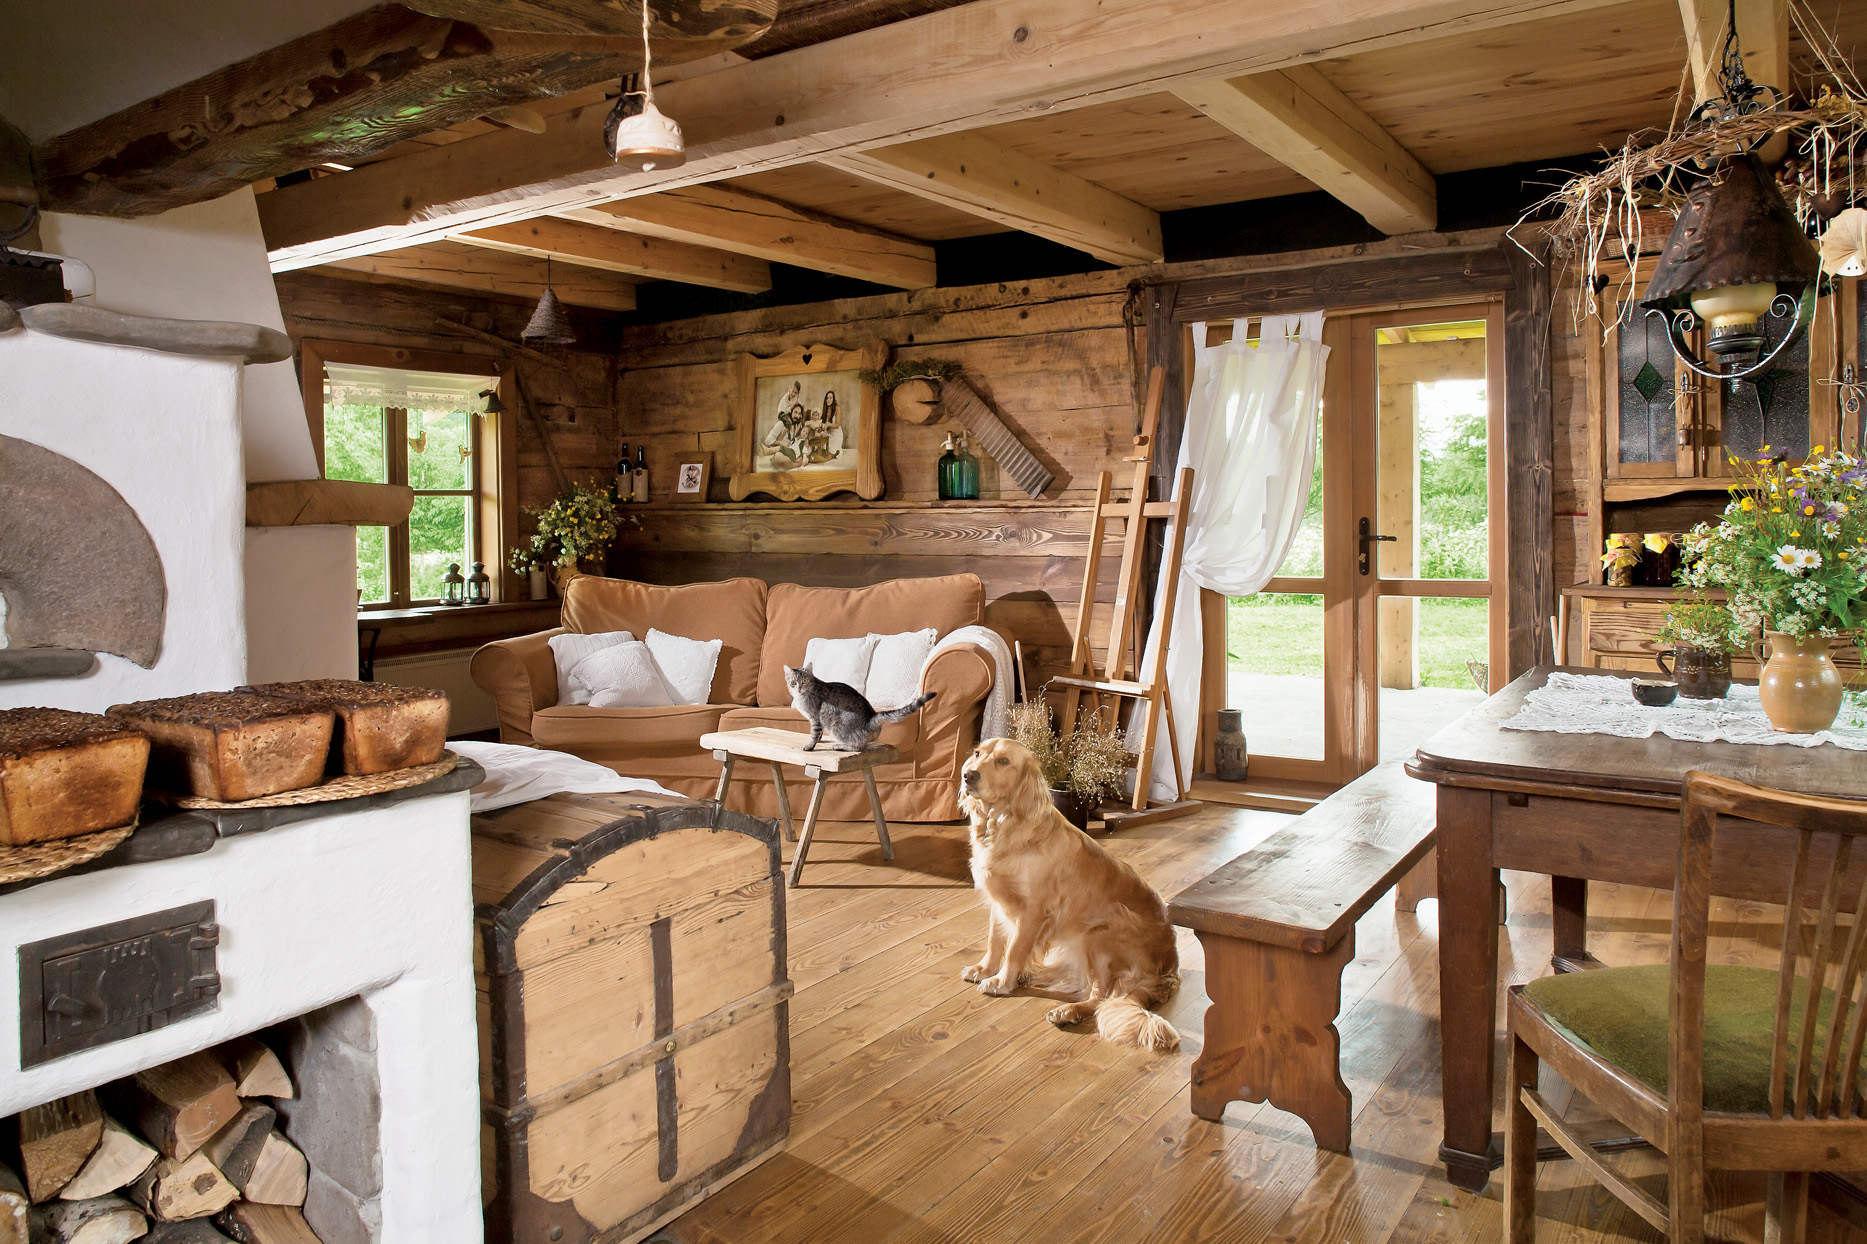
<point x="625" y="476"/>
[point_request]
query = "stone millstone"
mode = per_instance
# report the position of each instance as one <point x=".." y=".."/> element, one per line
<point x="202" y="338"/>
<point x="77" y="568"/>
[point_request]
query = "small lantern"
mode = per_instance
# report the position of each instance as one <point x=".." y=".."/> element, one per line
<point x="453" y="586"/>
<point x="479" y="585"/>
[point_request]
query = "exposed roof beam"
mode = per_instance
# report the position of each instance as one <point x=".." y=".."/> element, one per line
<point x="651" y="259"/>
<point x="489" y="272"/>
<point x="975" y="175"/>
<point x="1299" y="118"/>
<point x="973" y="65"/>
<point x="1762" y="33"/>
<point x="751" y="224"/>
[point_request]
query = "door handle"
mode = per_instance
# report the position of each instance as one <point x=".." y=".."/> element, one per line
<point x="1368" y="536"/>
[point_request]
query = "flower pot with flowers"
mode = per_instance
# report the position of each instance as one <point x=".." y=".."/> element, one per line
<point x="1704" y="633"/>
<point x="1082" y="769"/>
<point x="1791" y="549"/>
<point x="533" y="565"/>
<point x="579" y="524"/>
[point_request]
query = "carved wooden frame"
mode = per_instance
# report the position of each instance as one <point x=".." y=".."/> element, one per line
<point x="866" y="480"/>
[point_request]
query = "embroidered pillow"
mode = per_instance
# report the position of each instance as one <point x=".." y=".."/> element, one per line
<point x="622" y="676"/>
<point x="687" y="664"/>
<point x="570" y="648"/>
<point x="841" y="660"/>
<point x="895" y="669"/>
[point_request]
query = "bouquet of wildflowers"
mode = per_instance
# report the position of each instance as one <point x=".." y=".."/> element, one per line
<point x="1698" y="621"/>
<point x="1791" y="547"/>
<point x="579" y="524"/>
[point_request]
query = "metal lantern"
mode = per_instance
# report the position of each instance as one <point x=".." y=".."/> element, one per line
<point x="479" y="586"/>
<point x="453" y="586"/>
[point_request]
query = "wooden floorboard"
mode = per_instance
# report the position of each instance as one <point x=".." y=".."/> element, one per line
<point x="927" y="1113"/>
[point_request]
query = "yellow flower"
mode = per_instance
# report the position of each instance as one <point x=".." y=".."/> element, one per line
<point x="1746" y="504"/>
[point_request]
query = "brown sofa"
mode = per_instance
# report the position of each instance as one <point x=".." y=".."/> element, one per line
<point x="762" y="629"/>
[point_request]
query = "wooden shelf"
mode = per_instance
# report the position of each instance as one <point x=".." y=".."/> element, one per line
<point x="874" y="507"/>
<point x="1652" y="489"/>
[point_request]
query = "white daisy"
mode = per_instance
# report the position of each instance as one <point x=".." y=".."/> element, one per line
<point x="1785" y="559"/>
<point x="1808" y="559"/>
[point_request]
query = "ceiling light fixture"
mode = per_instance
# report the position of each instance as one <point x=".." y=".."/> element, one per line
<point x="639" y="135"/>
<point x="549" y="325"/>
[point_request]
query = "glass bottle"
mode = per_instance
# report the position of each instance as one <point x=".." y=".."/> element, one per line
<point x="625" y="476"/>
<point x="965" y="474"/>
<point x="948" y="461"/>
<point x="641" y="474"/>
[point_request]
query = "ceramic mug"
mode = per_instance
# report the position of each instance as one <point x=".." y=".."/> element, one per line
<point x="1702" y="673"/>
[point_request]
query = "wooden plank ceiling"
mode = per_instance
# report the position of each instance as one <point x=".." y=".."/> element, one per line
<point x="1371" y="108"/>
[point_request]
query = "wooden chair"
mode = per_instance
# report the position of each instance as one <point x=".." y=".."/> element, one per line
<point x="1714" y="1066"/>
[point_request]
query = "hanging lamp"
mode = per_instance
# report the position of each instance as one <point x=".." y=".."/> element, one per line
<point x="644" y="137"/>
<point x="1736" y="254"/>
<point x="549" y="324"/>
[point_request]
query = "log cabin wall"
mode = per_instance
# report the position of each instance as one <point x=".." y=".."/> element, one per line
<point x="1056" y="359"/>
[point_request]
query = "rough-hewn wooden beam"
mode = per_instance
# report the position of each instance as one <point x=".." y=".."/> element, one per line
<point x="976" y="175"/>
<point x="342" y="94"/>
<point x="1762" y="33"/>
<point x="1298" y="117"/>
<point x="327" y="502"/>
<point x="599" y="17"/>
<point x="973" y="65"/>
<point x="459" y="266"/>
<point x="592" y="246"/>
<point x="751" y="224"/>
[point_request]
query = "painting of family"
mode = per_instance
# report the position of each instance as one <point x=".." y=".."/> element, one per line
<point x="801" y="425"/>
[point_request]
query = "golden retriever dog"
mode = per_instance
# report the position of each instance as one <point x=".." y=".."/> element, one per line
<point x="1062" y="913"/>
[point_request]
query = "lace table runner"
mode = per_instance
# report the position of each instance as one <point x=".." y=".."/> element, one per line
<point x="1596" y="704"/>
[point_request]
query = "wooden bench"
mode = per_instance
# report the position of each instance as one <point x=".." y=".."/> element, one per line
<point x="1278" y="927"/>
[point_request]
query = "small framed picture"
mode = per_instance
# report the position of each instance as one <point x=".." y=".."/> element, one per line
<point x="691" y="480"/>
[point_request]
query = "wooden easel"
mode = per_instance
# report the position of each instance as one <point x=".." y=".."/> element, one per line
<point x="1122" y="677"/>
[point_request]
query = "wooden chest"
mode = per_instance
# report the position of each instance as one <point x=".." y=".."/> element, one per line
<point x="634" y="1023"/>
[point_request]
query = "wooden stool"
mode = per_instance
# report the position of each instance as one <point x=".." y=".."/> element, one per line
<point x="786" y="747"/>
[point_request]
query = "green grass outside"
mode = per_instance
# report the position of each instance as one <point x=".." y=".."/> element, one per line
<point x="1282" y="634"/>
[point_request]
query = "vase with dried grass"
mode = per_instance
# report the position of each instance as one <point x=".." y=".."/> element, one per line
<point x="1083" y="768"/>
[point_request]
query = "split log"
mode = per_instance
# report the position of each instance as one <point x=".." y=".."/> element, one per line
<point x="120" y="1157"/>
<point x="235" y="1148"/>
<point x="180" y="1105"/>
<point x="15" y="1218"/>
<point x="266" y="1224"/>
<point x="100" y="1220"/>
<point x="55" y="1140"/>
<point x="256" y="1070"/>
<point x="280" y="1176"/>
<point x="194" y="1231"/>
<point x="172" y="1190"/>
<point x="347" y="92"/>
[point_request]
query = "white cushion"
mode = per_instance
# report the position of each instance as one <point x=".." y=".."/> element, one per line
<point x="895" y="669"/>
<point x="622" y="676"/>
<point x="517" y="774"/>
<point x="568" y="649"/>
<point x="841" y="660"/>
<point x="687" y="664"/>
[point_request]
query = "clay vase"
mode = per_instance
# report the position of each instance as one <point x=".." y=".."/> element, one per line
<point x="1800" y="687"/>
<point x="1230" y="758"/>
<point x="1076" y="808"/>
<point x="1702" y="673"/>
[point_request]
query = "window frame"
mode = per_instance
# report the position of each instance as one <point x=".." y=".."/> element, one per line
<point x="493" y="480"/>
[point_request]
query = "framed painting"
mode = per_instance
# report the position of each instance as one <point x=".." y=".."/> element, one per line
<point x="691" y="480"/>
<point x="808" y="426"/>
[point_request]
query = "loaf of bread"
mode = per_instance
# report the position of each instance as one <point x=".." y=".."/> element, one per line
<point x="64" y="774"/>
<point x="231" y="745"/>
<point x="380" y="726"/>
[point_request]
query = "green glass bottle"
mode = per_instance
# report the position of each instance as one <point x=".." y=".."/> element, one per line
<point x="945" y="477"/>
<point x="965" y="474"/>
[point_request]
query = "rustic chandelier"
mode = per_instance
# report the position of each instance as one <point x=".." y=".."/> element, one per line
<point x="641" y="136"/>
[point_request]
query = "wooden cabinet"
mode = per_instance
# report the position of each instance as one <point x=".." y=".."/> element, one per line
<point x="1617" y="628"/>
<point x="634" y="1018"/>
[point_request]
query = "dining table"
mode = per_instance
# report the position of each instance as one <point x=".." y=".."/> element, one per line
<point x="1577" y="807"/>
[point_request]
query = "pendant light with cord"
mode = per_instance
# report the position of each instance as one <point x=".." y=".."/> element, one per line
<point x="643" y="138"/>
<point x="549" y="325"/>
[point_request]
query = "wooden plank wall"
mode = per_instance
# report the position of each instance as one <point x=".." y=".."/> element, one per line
<point x="1056" y="359"/>
<point x="1569" y="427"/>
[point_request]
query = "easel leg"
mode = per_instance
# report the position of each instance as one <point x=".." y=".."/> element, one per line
<point x="1144" y="761"/>
<point x="726" y="776"/>
<point x="1270" y="1033"/>
<point x="881" y="822"/>
<point x="784" y="802"/>
<point x="810" y="822"/>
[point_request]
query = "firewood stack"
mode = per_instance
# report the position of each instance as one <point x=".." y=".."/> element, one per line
<point x="185" y="1153"/>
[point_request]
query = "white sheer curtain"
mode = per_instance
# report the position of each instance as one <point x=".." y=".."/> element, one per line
<point x="1251" y="440"/>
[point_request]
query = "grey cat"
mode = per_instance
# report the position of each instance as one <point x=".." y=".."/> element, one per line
<point x="840" y="711"/>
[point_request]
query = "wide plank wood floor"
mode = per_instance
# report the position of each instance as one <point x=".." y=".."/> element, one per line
<point x="926" y="1113"/>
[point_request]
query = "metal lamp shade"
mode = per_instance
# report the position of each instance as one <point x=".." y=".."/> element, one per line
<point x="549" y="323"/>
<point x="648" y="140"/>
<point x="1735" y="230"/>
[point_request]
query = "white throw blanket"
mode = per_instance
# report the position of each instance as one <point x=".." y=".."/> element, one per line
<point x="517" y="774"/>
<point x="997" y="717"/>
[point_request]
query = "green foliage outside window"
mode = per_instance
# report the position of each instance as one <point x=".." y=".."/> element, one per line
<point x="355" y="448"/>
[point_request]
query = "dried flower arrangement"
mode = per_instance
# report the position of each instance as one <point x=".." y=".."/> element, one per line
<point x="1092" y="763"/>
<point x="899" y="373"/>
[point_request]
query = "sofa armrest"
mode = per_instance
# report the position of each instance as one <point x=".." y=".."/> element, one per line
<point x="963" y="675"/>
<point x="521" y="677"/>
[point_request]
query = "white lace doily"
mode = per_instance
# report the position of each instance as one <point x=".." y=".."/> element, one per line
<point x="1596" y="704"/>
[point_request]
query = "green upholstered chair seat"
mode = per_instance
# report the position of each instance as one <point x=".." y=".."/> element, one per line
<point x="1621" y="1015"/>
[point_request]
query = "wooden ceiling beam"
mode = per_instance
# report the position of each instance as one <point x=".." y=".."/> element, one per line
<point x="458" y="266"/>
<point x="974" y="65"/>
<point x="976" y="175"/>
<point x="1299" y="118"/>
<point x="652" y="259"/>
<point x="1762" y="33"/>
<point x="751" y="224"/>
